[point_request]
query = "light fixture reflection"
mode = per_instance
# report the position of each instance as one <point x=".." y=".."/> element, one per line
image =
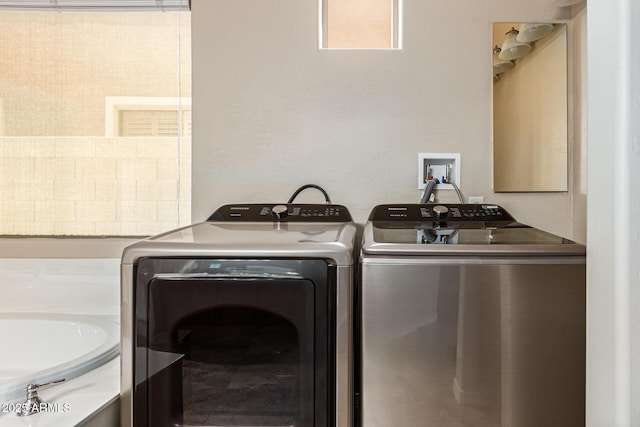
<point x="531" y="32"/>
<point x="500" y="65"/>
<point x="512" y="48"/>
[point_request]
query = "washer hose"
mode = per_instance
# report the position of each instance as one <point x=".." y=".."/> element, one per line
<point x="304" y="187"/>
<point x="428" y="189"/>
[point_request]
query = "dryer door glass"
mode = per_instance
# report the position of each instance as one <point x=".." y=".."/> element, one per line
<point x="230" y="351"/>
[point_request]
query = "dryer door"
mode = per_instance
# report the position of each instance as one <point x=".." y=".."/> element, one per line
<point x="233" y="343"/>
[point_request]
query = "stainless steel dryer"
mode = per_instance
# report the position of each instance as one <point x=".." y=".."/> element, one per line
<point x="469" y="318"/>
<point x="242" y="320"/>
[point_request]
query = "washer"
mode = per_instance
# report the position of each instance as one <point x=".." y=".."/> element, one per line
<point x="242" y="320"/>
<point x="469" y="318"/>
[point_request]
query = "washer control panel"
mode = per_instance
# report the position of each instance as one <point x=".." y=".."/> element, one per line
<point x="281" y="212"/>
<point x="440" y="213"/>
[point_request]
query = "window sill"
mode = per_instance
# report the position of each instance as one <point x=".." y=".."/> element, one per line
<point x="64" y="247"/>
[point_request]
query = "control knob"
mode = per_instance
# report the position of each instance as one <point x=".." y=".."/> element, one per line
<point x="279" y="211"/>
<point x="440" y="211"/>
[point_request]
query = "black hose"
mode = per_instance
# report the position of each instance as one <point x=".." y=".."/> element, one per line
<point x="304" y="187"/>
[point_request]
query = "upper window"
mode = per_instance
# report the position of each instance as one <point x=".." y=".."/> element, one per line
<point x="95" y="122"/>
<point x="360" y="24"/>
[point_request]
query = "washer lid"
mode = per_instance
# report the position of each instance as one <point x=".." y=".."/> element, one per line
<point x="484" y="230"/>
<point x="332" y="241"/>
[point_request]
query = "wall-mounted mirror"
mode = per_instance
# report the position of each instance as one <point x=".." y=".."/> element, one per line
<point x="530" y="130"/>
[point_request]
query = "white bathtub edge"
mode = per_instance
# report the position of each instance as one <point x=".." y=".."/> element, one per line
<point x="72" y="368"/>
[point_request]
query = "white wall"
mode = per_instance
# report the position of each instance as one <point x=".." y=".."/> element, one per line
<point x="272" y="112"/>
<point x="613" y="228"/>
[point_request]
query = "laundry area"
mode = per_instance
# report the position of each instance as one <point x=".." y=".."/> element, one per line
<point x="264" y="314"/>
<point x="325" y="213"/>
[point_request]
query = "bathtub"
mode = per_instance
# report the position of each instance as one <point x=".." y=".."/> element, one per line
<point x="42" y="347"/>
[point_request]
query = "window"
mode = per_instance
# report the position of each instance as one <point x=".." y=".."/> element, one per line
<point x="360" y="24"/>
<point x="147" y="116"/>
<point x="95" y="122"/>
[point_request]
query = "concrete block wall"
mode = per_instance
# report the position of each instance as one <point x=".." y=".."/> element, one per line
<point x="94" y="186"/>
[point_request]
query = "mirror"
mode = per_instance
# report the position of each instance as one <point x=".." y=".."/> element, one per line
<point x="530" y="116"/>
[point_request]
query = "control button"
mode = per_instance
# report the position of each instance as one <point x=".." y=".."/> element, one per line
<point x="279" y="211"/>
<point x="440" y="211"/>
<point x="424" y="212"/>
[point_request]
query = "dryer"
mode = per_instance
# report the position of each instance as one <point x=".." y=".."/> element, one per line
<point x="469" y="318"/>
<point x="242" y="320"/>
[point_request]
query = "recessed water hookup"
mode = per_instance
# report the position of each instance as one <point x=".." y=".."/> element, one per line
<point x="443" y="166"/>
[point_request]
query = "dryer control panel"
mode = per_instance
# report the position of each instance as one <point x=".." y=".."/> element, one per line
<point x="441" y="212"/>
<point x="269" y="212"/>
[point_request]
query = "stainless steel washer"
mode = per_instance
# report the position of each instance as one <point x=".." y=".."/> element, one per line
<point x="242" y="320"/>
<point x="469" y="318"/>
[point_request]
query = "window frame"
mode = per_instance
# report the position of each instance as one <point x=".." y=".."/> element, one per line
<point x="57" y="247"/>
<point x="96" y="5"/>
<point x="396" y="28"/>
